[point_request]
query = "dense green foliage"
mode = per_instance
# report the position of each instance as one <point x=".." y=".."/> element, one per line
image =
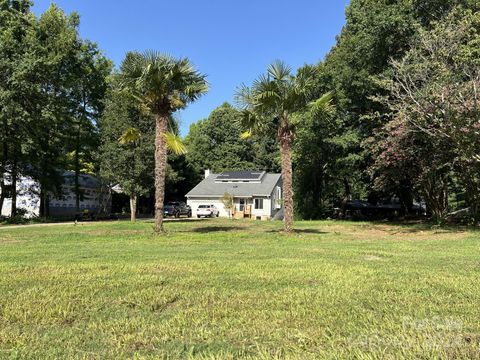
<point x="52" y="89"/>
<point x="377" y="37"/>
<point x="432" y="140"/>
<point x="380" y="143"/>
<point x="52" y="97"/>
<point x="215" y="144"/>
<point x="126" y="163"/>
<point x="222" y="289"/>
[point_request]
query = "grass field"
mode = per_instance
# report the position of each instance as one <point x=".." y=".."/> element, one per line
<point x="221" y="289"/>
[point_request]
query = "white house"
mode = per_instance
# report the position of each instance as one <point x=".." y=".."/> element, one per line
<point x="64" y="206"/>
<point x="256" y="194"/>
<point x="26" y="198"/>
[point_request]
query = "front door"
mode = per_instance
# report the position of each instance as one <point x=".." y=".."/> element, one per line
<point x="241" y="204"/>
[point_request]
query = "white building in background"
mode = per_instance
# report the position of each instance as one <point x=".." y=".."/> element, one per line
<point x="26" y="198"/>
<point x="63" y="206"/>
<point x="256" y="194"/>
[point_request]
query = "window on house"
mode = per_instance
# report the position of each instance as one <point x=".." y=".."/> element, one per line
<point x="259" y="204"/>
<point x="278" y="200"/>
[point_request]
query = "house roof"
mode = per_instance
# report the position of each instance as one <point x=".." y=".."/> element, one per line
<point x="212" y="187"/>
<point x="85" y="180"/>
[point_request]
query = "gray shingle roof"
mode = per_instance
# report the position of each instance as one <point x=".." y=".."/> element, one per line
<point x="85" y="180"/>
<point x="208" y="187"/>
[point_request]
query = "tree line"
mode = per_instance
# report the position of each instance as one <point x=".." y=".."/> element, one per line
<point x="52" y="87"/>
<point x="392" y="111"/>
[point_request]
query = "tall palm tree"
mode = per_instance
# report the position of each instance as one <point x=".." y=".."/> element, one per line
<point x="163" y="85"/>
<point x="275" y="102"/>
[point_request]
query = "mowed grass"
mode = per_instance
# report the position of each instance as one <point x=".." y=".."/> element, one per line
<point x="222" y="289"/>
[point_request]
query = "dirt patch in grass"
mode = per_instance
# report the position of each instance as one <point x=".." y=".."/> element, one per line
<point x="384" y="232"/>
<point x="373" y="258"/>
<point x="119" y="233"/>
<point x="7" y="240"/>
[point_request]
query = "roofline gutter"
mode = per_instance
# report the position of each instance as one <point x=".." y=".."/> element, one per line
<point x="235" y="196"/>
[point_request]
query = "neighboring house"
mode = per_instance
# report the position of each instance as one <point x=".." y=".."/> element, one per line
<point x="91" y="195"/>
<point x="256" y="194"/>
<point x="26" y="188"/>
<point x="64" y="206"/>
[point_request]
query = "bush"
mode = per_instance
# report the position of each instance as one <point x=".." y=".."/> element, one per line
<point x="19" y="218"/>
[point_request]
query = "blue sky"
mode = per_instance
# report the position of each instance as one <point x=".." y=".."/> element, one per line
<point x="231" y="41"/>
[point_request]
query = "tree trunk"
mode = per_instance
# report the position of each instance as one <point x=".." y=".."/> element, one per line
<point x="161" y="122"/>
<point x="435" y="188"/>
<point x="133" y="207"/>
<point x="13" y="211"/>
<point x="3" y="170"/>
<point x="46" y="206"/>
<point x="41" y="209"/>
<point x="77" y="174"/>
<point x="2" y="195"/>
<point x="286" y="142"/>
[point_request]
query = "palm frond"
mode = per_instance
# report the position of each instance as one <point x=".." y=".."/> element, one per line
<point x="174" y="143"/>
<point x="267" y="95"/>
<point x="130" y="136"/>
<point x="248" y="121"/>
<point x="246" y="134"/>
<point x="279" y="70"/>
<point x="243" y="97"/>
<point x="162" y="81"/>
<point x="195" y="89"/>
<point x="323" y="105"/>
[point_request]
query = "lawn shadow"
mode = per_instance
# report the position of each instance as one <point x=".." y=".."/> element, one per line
<point x="172" y="220"/>
<point x="309" y="231"/>
<point x="209" y="229"/>
<point x="300" y="231"/>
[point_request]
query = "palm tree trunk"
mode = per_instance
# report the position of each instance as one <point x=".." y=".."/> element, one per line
<point x="287" y="179"/>
<point x="133" y="207"/>
<point x="161" y="122"/>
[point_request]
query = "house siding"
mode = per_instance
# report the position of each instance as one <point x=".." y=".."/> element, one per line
<point x="266" y="211"/>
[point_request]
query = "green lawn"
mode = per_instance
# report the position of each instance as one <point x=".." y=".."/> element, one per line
<point x="221" y="289"/>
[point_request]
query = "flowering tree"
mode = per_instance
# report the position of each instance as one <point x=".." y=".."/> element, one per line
<point x="434" y="130"/>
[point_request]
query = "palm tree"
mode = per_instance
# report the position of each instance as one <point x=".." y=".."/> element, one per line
<point x="275" y="102"/>
<point x="163" y="85"/>
<point x="132" y="136"/>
